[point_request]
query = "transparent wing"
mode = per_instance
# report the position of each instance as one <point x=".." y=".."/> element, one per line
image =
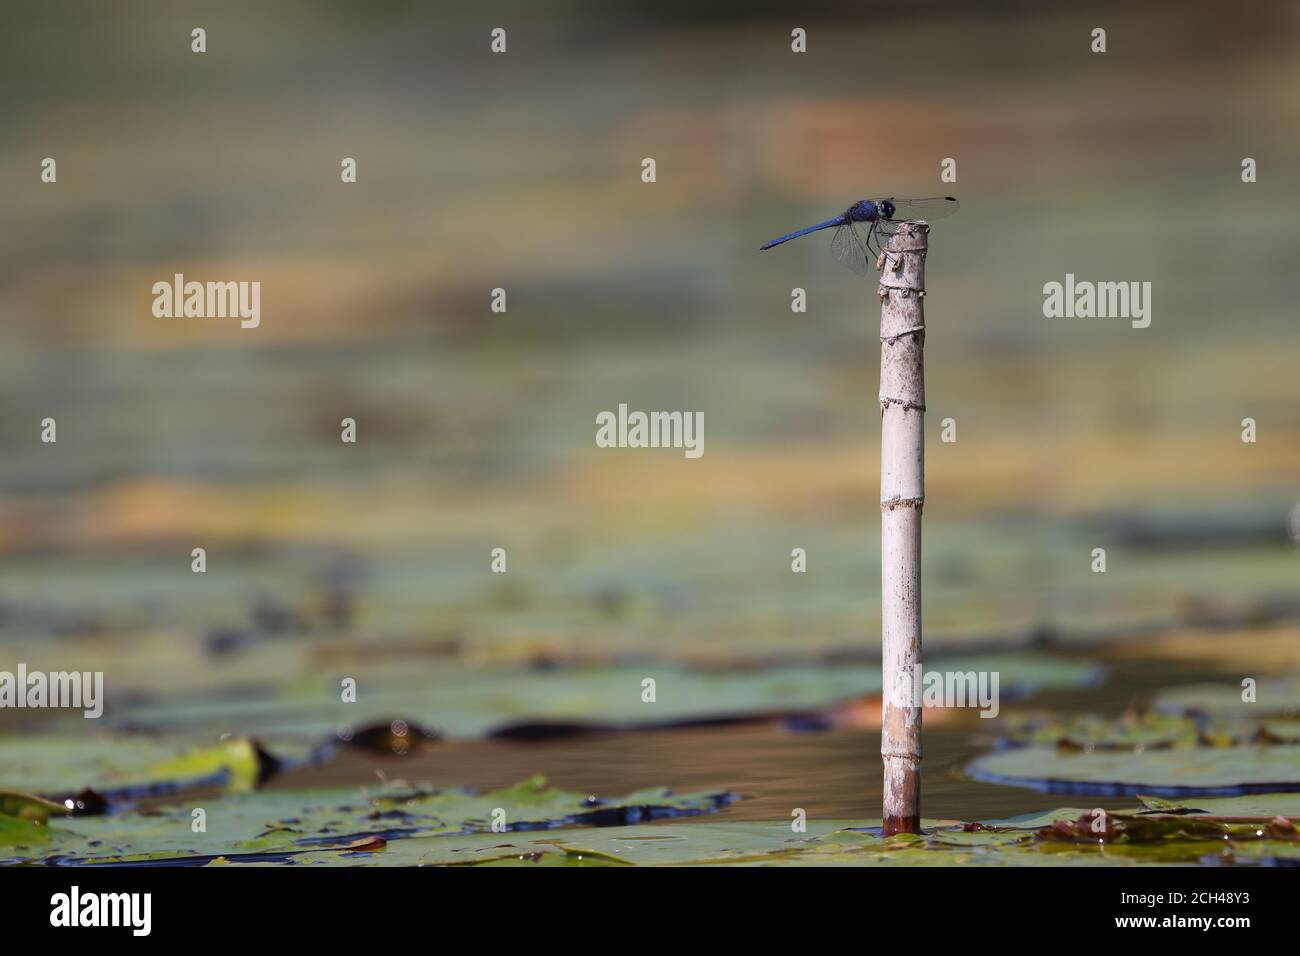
<point x="848" y="247"/>
<point x="907" y="210"/>
<point x="934" y="207"/>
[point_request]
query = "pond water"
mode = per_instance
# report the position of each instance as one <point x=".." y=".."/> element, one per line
<point x="834" y="774"/>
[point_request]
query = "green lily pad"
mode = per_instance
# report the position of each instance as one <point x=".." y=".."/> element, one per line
<point x="20" y="833"/>
<point x="549" y="827"/>
<point x="1262" y="806"/>
<point x="275" y="826"/>
<point x="1091" y="732"/>
<point x="1273" y="698"/>
<point x="1210" y="771"/>
<point x="50" y="764"/>
<point x="1145" y="731"/>
<point x="1161" y="805"/>
<point x="27" y="806"/>
<point x="119" y="762"/>
<point x="1129" y="839"/>
<point x="236" y="760"/>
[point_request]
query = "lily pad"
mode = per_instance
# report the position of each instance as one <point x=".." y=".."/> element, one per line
<point x="1145" y="731"/>
<point x="538" y="825"/>
<point x="126" y="766"/>
<point x="1227" y="771"/>
<point x="17" y="832"/>
<point x="237" y="762"/>
<point x="1261" y="806"/>
<point x="275" y="826"/>
<point x="1063" y="837"/>
<point x="27" y="806"/>
<point x="1086" y="732"/>
<point x="1272" y="698"/>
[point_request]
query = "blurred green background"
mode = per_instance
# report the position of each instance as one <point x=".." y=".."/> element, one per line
<point x="476" y="430"/>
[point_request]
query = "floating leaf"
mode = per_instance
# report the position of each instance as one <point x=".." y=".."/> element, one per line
<point x="548" y="827"/>
<point x="1254" y="805"/>
<point x="1160" y="805"/>
<point x="237" y="763"/>
<point x="26" y="806"/>
<point x="94" y="772"/>
<point x="1273" y="698"/>
<point x="1202" y="770"/>
<point x="1145" y="731"/>
<point x="1085" y="731"/>
<point x="276" y="826"/>
<point x="23" y="834"/>
<point x="1131" y="841"/>
<point x="66" y="763"/>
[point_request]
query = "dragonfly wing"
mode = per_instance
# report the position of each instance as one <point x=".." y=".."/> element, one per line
<point x="929" y="209"/>
<point x="848" y="247"/>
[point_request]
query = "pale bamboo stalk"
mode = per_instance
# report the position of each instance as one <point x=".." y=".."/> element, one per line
<point x="902" y="493"/>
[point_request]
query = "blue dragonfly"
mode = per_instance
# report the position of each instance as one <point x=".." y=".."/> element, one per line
<point x="879" y="218"/>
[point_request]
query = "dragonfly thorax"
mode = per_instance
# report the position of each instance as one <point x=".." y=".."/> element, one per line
<point x="864" y="210"/>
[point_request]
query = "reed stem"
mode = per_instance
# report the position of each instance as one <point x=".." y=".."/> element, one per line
<point x="902" y="494"/>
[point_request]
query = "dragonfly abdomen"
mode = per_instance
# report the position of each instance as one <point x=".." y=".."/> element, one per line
<point x="838" y="220"/>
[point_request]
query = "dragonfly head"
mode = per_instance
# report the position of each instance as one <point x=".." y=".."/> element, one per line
<point x="885" y="209"/>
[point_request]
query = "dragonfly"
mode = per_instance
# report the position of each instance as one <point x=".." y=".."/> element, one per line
<point x="878" y="219"/>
